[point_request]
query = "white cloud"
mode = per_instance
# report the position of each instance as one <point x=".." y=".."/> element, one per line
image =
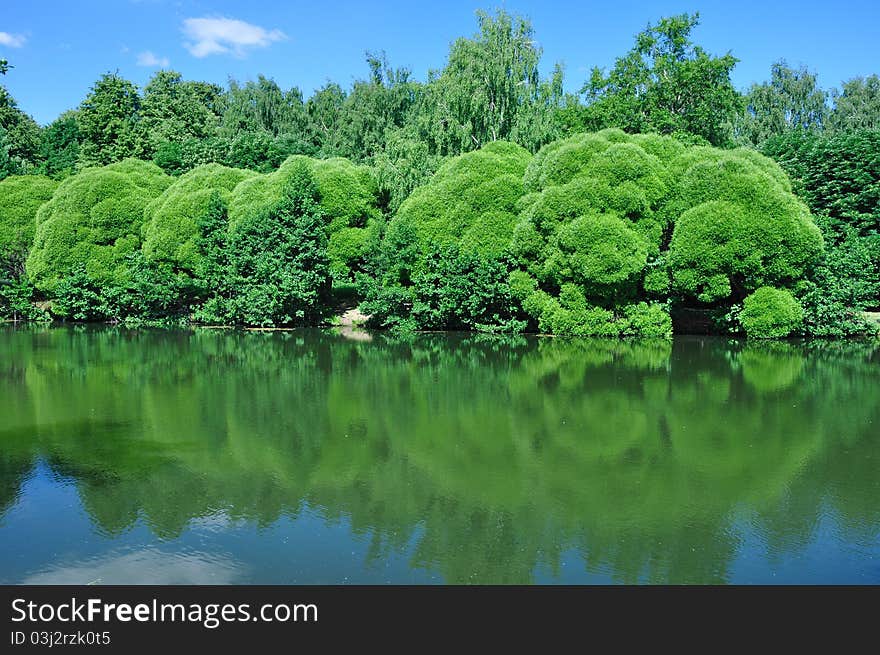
<point x="12" y="40"/>
<point x="146" y="566"/>
<point x="147" y="58"/>
<point x="214" y="36"/>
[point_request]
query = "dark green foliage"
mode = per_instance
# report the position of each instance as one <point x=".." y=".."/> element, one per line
<point x="79" y="297"/>
<point x="211" y="278"/>
<point x="279" y="267"/>
<point x="19" y="138"/>
<point x="60" y="146"/>
<point x="843" y="285"/>
<point x="838" y="176"/>
<point x="770" y="313"/>
<point x="148" y="293"/>
<point x="349" y="201"/>
<point x="17" y="301"/>
<point x="462" y="291"/>
<point x="108" y="122"/>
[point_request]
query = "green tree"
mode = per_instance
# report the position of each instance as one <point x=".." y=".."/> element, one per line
<point x="324" y="110"/>
<point x="109" y="122"/>
<point x="60" y="146"/>
<point x="348" y="198"/>
<point x="278" y="259"/>
<point x="262" y="106"/>
<point x="19" y="138"/>
<point x="837" y="175"/>
<point x="174" y="110"/>
<point x="490" y="90"/>
<point x="172" y="221"/>
<point x="857" y="105"/>
<point x="666" y="84"/>
<point x="791" y="100"/>
<point x="94" y="220"/>
<point x="374" y="108"/>
<point x="20" y="198"/>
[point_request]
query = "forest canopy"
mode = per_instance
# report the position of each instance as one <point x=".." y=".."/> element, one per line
<point x="657" y="197"/>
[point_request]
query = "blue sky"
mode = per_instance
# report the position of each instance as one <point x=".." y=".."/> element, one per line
<point x="59" y="48"/>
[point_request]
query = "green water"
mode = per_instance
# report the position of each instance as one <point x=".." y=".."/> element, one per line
<point x="309" y="457"/>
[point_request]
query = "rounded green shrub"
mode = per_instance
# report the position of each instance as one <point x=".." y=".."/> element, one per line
<point x="20" y="198"/>
<point x="592" y="218"/>
<point x="171" y="221"/>
<point x="737" y="228"/>
<point x="598" y="251"/>
<point x="631" y="217"/>
<point x="471" y="201"/>
<point x="770" y="313"/>
<point x="94" y="219"/>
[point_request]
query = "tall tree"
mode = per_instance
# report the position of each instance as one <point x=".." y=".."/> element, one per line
<point x="857" y="105"/>
<point x="174" y="110"/>
<point x="109" y="122"/>
<point x="791" y="100"/>
<point x="374" y="106"/>
<point x="666" y="84"/>
<point x="262" y="106"/>
<point x="489" y="87"/>
<point x="324" y="110"/>
<point x="19" y="138"/>
<point x="60" y="146"/>
<point x="279" y="265"/>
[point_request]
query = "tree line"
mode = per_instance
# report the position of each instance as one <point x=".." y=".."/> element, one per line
<point x="578" y="213"/>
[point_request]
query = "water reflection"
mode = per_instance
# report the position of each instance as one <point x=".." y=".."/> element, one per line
<point x="146" y="566"/>
<point x="470" y="458"/>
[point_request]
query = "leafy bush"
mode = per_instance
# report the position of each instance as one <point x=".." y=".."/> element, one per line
<point x="837" y="175"/>
<point x="469" y="202"/>
<point x="840" y="288"/>
<point x="737" y="228"/>
<point x="78" y="297"/>
<point x="591" y="217"/>
<point x="453" y="290"/>
<point x="171" y="221"/>
<point x="770" y="313"/>
<point x="94" y="219"/>
<point x="624" y="217"/>
<point x="279" y="269"/>
<point x="20" y="198"/>
<point x="17" y="301"/>
<point x="442" y="260"/>
<point x="348" y="198"/>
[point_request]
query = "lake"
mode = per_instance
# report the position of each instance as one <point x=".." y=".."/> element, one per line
<point x="219" y="456"/>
